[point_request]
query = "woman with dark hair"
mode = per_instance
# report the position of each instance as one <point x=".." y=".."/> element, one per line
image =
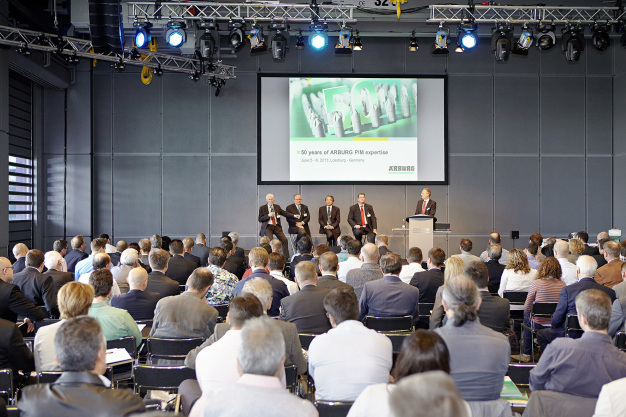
<point x="544" y="289"/>
<point x="422" y="351"/>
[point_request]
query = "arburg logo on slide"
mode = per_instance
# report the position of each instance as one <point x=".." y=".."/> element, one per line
<point x="402" y="168"/>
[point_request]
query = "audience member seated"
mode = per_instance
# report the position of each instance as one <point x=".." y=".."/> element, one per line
<point x="611" y="400"/>
<point x="238" y="251"/>
<point x="328" y="264"/>
<point x="620" y="289"/>
<point x="224" y="282"/>
<point x="349" y="357"/>
<point x="116" y="256"/>
<point x="179" y="268"/>
<point x="139" y="303"/>
<point x="234" y="264"/>
<point x="466" y="246"/>
<point x="422" y="351"/>
<point x="277" y="270"/>
<point x="188" y="245"/>
<point x="81" y="390"/>
<point x="186" y="315"/>
<point x="157" y="281"/>
<point x="589" y="250"/>
<point x="145" y="247"/>
<point x="53" y="262"/>
<point x="428" y="394"/>
<point x="414" y="258"/>
<point x="544" y="289"/>
<point x="342" y="242"/>
<point x="582" y="366"/>
<point x="13" y="303"/>
<point x="382" y="242"/>
<point x="494" y="239"/>
<point x="618" y="315"/>
<point x="494" y="311"/>
<point x="86" y="265"/>
<point x="74" y="300"/>
<point x="531" y="254"/>
<point x="353" y="260"/>
<point x="600" y="257"/>
<point x="116" y="323"/>
<point x="479" y="357"/>
<point x="305" y="250"/>
<point x="14" y="354"/>
<point x="259" y="391"/>
<point x="259" y="259"/>
<point x="495" y="268"/>
<point x="369" y="270"/>
<point x="201" y="250"/>
<point x="537" y="240"/>
<point x="101" y="261"/>
<point x="388" y="296"/>
<point x="305" y="308"/>
<point x="19" y="252"/>
<point x="276" y="245"/>
<point x="128" y="261"/>
<point x="60" y="246"/>
<point x="430" y="280"/>
<point x="610" y="274"/>
<point x="37" y="287"/>
<point x="454" y="267"/>
<point x="77" y="253"/>
<point x="568" y="269"/>
<point x="576" y="248"/>
<point x="517" y="275"/>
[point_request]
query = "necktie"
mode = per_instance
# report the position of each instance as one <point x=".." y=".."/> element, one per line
<point x="362" y="217"/>
<point x="273" y="217"/>
<point x="328" y="215"/>
<point x="424" y="208"/>
<point x="299" y="212"/>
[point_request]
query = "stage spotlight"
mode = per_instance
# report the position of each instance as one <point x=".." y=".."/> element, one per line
<point x="158" y="70"/>
<point x="194" y="76"/>
<point x="600" y="38"/>
<point x="300" y="42"/>
<point x="356" y="42"/>
<point x="319" y="37"/>
<point x="207" y="45"/>
<point x="257" y="40"/>
<point x="501" y="41"/>
<point x="343" y="47"/>
<point x="413" y="46"/>
<point x="72" y="58"/>
<point x="142" y="34"/>
<point x="441" y="41"/>
<point x="175" y="35"/>
<point x="545" y="37"/>
<point x="236" y="36"/>
<point x="280" y="42"/>
<point x="573" y="42"/>
<point x="23" y="49"/>
<point x="119" y="65"/>
<point x="467" y="38"/>
<point x="524" y="42"/>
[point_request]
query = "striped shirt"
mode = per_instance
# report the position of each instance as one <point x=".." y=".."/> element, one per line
<point x="543" y="290"/>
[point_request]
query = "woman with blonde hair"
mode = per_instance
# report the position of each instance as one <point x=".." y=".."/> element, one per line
<point x="576" y="248"/>
<point x="517" y="275"/>
<point x="454" y="267"/>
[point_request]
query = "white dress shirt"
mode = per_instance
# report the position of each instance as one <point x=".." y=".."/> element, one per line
<point x="347" y="265"/>
<point x="516" y="281"/>
<point x="291" y="286"/>
<point x="568" y="269"/>
<point x="115" y="290"/>
<point x="611" y="400"/>
<point x="409" y="270"/>
<point x="216" y="365"/>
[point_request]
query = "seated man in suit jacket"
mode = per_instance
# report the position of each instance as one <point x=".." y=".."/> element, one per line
<point x="429" y="281"/>
<point x="14" y="354"/>
<point x="306" y="307"/>
<point x="36" y="286"/>
<point x="329" y="264"/>
<point x="269" y="217"/>
<point x="139" y="303"/>
<point x="179" y="268"/>
<point x="201" y="250"/>
<point x="188" y="245"/>
<point x="299" y="227"/>
<point x="157" y="281"/>
<point x="493" y="311"/>
<point x="305" y="247"/>
<point x="362" y="219"/>
<point x="19" y="251"/>
<point x="54" y="263"/>
<point x="329" y="217"/>
<point x="12" y="302"/>
<point x="77" y="253"/>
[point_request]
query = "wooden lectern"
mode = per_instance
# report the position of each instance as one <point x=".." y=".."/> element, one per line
<point x="421" y="232"/>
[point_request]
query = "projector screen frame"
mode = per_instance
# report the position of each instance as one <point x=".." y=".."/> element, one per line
<point x="261" y="75"/>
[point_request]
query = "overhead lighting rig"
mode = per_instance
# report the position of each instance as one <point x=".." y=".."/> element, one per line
<point x="545" y="36"/>
<point x="236" y="37"/>
<point x="467" y="38"/>
<point x="142" y="33"/>
<point x="257" y="40"/>
<point x="441" y="40"/>
<point x="280" y="41"/>
<point x="413" y="46"/>
<point x="343" y="45"/>
<point x="207" y="43"/>
<point x="524" y="42"/>
<point x="502" y="41"/>
<point x="573" y="41"/>
<point x="600" y="38"/>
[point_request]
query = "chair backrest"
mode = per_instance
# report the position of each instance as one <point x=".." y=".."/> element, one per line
<point x="620" y="340"/>
<point x="48" y="377"/>
<point x="557" y="404"/>
<point x="13" y="411"/>
<point x="572" y="327"/>
<point x="333" y="408"/>
<point x="389" y="324"/>
<point x="425" y="309"/>
<point x="306" y="339"/>
<point x="161" y="377"/>
<point x="520" y="373"/>
<point x="129" y="343"/>
<point x="148" y="323"/>
<point x="291" y="376"/>
<point x="397" y="340"/>
<point x="45" y="322"/>
<point x="182" y="288"/>
<point x="516" y="297"/>
<point x="7" y="390"/>
<point x="176" y="349"/>
<point x="543" y="309"/>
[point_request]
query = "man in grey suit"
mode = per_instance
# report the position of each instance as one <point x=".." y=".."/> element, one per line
<point x="465" y="255"/>
<point x="328" y="264"/>
<point x="493" y="311"/>
<point x="306" y="307"/>
<point x="369" y="271"/>
<point x="200" y="249"/>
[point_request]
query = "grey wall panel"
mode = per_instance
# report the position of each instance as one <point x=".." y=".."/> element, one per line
<point x="600" y="62"/>
<point x="243" y="60"/>
<point x="619" y="196"/>
<point x="478" y="60"/>
<point x="553" y="62"/>
<point x="516" y="114"/>
<point x="619" y="61"/>
<point x="186" y="199"/>
<point x="619" y="121"/>
<point x="102" y="112"/>
<point x="103" y="194"/>
<point x="423" y="61"/>
<point x="314" y="196"/>
<point x="185" y="127"/>
<point x="561" y="201"/>
<point x="562" y="128"/>
<point x="78" y="195"/>
<point x="137" y="120"/>
<point x="469" y="130"/>
<point x="599" y="117"/>
<point x="233" y="196"/>
<point x="439" y="193"/>
<point x="289" y="64"/>
<point x="4" y="179"/>
<point x="54" y="121"/>
<point x="599" y="195"/>
<point x="54" y="168"/>
<point x="471" y="194"/>
<point x="137" y="195"/>
<point x="439" y="241"/>
<point x="321" y="61"/>
<point x="519" y="64"/>
<point x="79" y="114"/>
<point x="380" y="55"/>
<point x="234" y="117"/>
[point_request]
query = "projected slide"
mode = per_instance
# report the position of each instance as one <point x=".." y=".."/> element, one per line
<point x="353" y="129"/>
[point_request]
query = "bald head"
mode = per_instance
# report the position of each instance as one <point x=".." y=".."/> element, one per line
<point x="370" y="253"/>
<point x="6" y="270"/>
<point x="561" y="249"/>
<point x="602" y="235"/>
<point x="137" y="279"/>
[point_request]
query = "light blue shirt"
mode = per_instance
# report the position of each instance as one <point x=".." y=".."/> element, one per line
<point x="83" y="267"/>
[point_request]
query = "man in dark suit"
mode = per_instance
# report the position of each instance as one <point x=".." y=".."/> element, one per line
<point x="233" y="264"/>
<point x="589" y="250"/>
<point x="430" y="280"/>
<point x="299" y="227"/>
<point x="389" y="296"/>
<point x="305" y="247"/>
<point x="329" y="217"/>
<point x="425" y="205"/>
<point x="157" y="281"/>
<point x="37" y="287"/>
<point x="201" y="250"/>
<point x="306" y="307"/>
<point x="269" y="217"/>
<point x="145" y="246"/>
<point x="77" y="253"/>
<point x="382" y="241"/>
<point x="362" y="219"/>
<point x="493" y="311"/>
<point x="139" y="303"/>
<point x="19" y="251"/>
<point x="259" y="260"/>
<point x="179" y="268"/>
<point x="369" y="270"/>
<point x="14" y="354"/>
<point x="188" y="245"/>
<point x="600" y="256"/>
<point x="120" y="247"/>
<point x="12" y="301"/>
<point x="54" y="263"/>
<point x="494" y="267"/>
<point x="329" y="264"/>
